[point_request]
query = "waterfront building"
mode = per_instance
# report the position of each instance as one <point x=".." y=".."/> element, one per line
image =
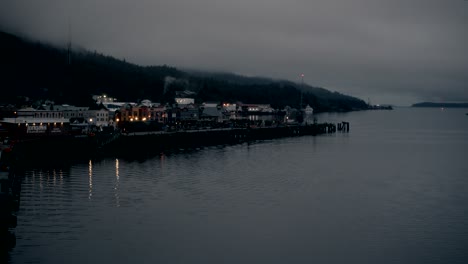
<point x="31" y="114"/>
<point x="115" y="106"/>
<point x="308" y="115"/>
<point x="98" y="116"/>
<point x="70" y="111"/>
<point x="30" y="122"/>
<point x="229" y="111"/>
<point x="256" y="108"/>
<point x="189" y="113"/>
<point x="308" y="110"/>
<point x="230" y="108"/>
<point x="211" y="111"/>
<point x="184" y="101"/>
<point x="142" y="113"/>
<point x="103" y="99"/>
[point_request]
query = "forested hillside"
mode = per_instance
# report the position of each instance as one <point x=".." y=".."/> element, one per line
<point x="41" y="71"/>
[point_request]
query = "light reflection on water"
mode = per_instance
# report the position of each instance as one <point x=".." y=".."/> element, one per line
<point x="90" y="179"/>
<point x="117" y="183"/>
<point x="393" y="190"/>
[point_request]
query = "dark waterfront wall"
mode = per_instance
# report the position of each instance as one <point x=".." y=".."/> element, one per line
<point x="10" y="190"/>
<point x="54" y="150"/>
<point x="48" y="150"/>
<point x="147" y="142"/>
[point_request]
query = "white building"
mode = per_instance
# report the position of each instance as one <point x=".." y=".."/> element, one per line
<point x="33" y="121"/>
<point x="103" y="99"/>
<point x="114" y="106"/>
<point x="31" y="114"/>
<point x="70" y="111"/>
<point x="98" y="117"/>
<point x="184" y="101"/>
<point x="264" y="108"/>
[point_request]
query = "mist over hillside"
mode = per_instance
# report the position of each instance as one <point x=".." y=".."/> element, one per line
<point x="41" y="71"/>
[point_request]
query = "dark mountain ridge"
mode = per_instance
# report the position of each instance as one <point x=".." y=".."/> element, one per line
<point x="42" y="71"/>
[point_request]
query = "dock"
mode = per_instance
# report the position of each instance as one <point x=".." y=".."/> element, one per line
<point x="154" y="141"/>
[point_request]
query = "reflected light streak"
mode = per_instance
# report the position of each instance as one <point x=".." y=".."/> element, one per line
<point x="117" y="169"/>
<point x="41" y="186"/>
<point x="90" y="179"/>
<point x="162" y="161"/>
<point x="54" y="173"/>
<point x="117" y="184"/>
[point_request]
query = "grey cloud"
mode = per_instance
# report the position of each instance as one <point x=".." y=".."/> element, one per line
<point x="388" y="50"/>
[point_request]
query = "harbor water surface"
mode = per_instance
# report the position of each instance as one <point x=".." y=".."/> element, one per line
<point x="392" y="190"/>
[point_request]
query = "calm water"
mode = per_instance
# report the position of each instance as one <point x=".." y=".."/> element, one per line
<point x="393" y="190"/>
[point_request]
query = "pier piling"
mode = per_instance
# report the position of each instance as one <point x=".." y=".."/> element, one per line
<point x="207" y="137"/>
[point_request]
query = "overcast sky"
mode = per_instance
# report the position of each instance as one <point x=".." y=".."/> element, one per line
<point x="391" y="51"/>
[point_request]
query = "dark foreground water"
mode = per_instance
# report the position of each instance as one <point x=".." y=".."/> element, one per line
<point x="393" y="190"/>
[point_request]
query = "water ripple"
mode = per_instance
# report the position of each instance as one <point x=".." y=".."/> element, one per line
<point x="388" y="192"/>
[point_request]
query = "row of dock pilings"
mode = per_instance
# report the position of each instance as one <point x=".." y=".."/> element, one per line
<point x="187" y="139"/>
<point x="332" y="128"/>
<point x="328" y="128"/>
<point x="343" y="126"/>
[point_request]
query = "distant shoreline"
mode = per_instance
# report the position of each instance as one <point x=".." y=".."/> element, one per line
<point x="445" y="105"/>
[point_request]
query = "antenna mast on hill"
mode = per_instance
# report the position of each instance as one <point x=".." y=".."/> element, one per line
<point x="302" y="89"/>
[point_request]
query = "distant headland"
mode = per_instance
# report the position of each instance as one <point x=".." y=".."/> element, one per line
<point x="445" y="105"/>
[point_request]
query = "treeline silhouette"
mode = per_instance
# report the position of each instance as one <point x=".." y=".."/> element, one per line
<point x="41" y="71"/>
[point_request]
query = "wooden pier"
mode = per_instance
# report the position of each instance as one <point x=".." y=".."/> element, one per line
<point x="140" y="142"/>
<point x="55" y="150"/>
